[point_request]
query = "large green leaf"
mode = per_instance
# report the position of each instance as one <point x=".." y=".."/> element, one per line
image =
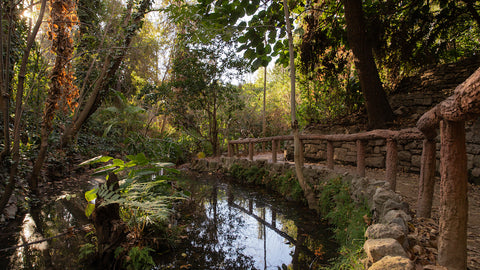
<point x="91" y="195"/>
<point x="96" y="159"/>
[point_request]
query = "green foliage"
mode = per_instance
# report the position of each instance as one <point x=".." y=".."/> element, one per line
<point x="285" y="184"/>
<point x="337" y="206"/>
<point x="175" y="151"/>
<point x="277" y="110"/>
<point x="139" y="259"/>
<point x="86" y="250"/>
<point x="125" y="117"/>
<point x="143" y="189"/>
<point x="198" y="100"/>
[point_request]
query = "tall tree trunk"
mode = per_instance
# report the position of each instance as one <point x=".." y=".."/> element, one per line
<point x="61" y="79"/>
<point x="18" y="109"/>
<point x="378" y="109"/>
<point x="297" y="144"/>
<point x="264" y="119"/>
<point x="110" y="67"/>
<point x="5" y="69"/>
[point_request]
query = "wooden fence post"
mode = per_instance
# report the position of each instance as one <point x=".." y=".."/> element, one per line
<point x="427" y="179"/>
<point x="274" y="151"/>
<point x="250" y="150"/>
<point x="360" y="158"/>
<point x="391" y="163"/>
<point x="452" y="241"/>
<point x="230" y="150"/>
<point x="330" y="155"/>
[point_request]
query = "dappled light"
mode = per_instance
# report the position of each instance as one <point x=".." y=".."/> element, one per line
<point x="364" y="112"/>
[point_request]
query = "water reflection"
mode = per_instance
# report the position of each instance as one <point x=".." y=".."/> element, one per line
<point x="41" y="222"/>
<point x="234" y="227"/>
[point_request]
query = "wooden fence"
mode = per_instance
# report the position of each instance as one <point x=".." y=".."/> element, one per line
<point x="449" y="116"/>
<point x="361" y="139"/>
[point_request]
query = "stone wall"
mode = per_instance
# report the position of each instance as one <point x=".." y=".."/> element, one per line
<point x="413" y="97"/>
<point x="388" y="244"/>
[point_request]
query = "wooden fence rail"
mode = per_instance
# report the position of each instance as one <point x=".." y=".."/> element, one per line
<point x="361" y="139"/>
<point x="449" y="116"/>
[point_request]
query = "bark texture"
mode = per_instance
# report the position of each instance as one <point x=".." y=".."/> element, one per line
<point x="378" y="109"/>
<point x="452" y="242"/>
<point x="427" y="179"/>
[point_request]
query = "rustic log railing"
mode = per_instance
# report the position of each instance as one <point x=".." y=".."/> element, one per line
<point x="449" y="116"/>
<point x="390" y="136"/>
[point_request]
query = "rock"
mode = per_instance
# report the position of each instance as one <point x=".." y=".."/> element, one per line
<point x="393" y="263"/>
<point x="402" y="110"/>
<point x="404" y="155"/>
<point x="434" y="267"/>
<point x="381" y="196"/>
<point x="376" y="249"/>
<point x="376" y="162"/>
<point x="392" y="214"/>
<point x="379" y="231"/>
<point x="394" y="205"/>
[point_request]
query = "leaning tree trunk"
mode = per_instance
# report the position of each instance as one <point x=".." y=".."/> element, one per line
<point x="378" y="109"/>
<point x="18" y="109"/>
<point x="112" y="62"/>
<point x="297" y="144"/>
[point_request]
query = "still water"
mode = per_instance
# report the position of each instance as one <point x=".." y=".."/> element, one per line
<point x="225" y="226"/>
<point x="230" y="226"/>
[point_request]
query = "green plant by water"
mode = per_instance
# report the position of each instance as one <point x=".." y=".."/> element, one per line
<point x="348" y="219"/>
<point x="145" y="196"/>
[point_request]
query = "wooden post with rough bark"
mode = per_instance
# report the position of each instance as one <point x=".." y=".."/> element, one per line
<point x="452" y="242"/>
<point x="330" y="164"/>
<point x="452" y="114"/>
<point x="427" y="179"/>
<point x="391" y="163"/>
<point x="274" y="151"/>
<point x="250" y="150"/>
<point x="230" y="150"/>
<point x="360" y="158"/>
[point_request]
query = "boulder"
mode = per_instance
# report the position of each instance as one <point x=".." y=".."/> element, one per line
<point x="376" y="249"/>
<point x="393" y="263"/>
<point x="379" y="231"/>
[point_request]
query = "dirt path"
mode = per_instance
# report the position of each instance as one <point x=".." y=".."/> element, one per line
<point x="407" y="186"/>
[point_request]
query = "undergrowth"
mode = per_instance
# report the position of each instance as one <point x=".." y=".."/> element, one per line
<point x="286" y="184"/>
<point x="348" y="220"/>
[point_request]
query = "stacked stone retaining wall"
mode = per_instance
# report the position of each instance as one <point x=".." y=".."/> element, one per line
<point x="413" y="96"/>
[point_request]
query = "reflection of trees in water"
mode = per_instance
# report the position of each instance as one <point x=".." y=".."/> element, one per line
<point x="45" y="221"/>
<point x="216" y="226"/>
<point x="221" y="223"/>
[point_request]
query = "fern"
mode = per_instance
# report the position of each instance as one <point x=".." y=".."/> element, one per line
<point x="142" y="190"/>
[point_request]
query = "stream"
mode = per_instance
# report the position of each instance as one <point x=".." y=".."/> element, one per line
<point x="226" y="226"/>
<point x="233" y="226"/>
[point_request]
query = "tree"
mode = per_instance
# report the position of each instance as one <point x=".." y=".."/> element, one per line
<point x="19" y="107"/>
<point x="132" y="22"/>
<point x="197" y="93"/>
<point x="62" y="91"/>
<point x="378" y="109"/>
<point x="298" y="147"/>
